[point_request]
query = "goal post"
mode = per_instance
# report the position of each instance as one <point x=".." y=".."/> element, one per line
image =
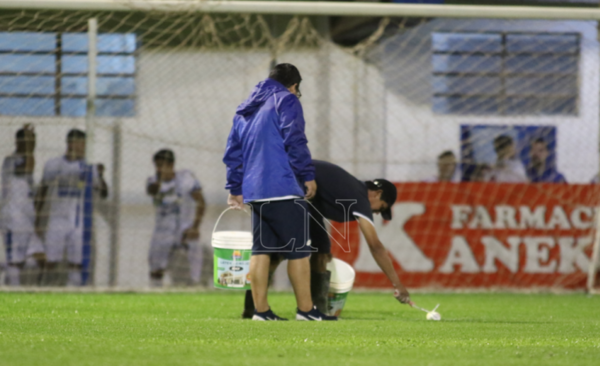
<point x="479" y="114"/>
<point x="322" y="8"/>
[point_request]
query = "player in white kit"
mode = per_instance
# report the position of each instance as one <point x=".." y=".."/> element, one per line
<point x="17" y="212"/>
<point x="179" y="205"/>
<point x="68" y="183"/>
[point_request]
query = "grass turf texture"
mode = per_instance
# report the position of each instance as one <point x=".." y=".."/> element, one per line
<point x="205" y="329"/>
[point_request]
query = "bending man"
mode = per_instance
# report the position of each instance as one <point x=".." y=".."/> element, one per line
<point x="342" y="198"/>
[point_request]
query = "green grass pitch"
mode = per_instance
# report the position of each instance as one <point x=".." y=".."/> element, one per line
<point x="205" y="329"/>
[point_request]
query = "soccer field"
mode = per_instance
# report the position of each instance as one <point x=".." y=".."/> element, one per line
<point x="205" y="329"/>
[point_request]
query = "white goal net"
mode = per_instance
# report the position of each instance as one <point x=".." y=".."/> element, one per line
<point x="488" y="126"/>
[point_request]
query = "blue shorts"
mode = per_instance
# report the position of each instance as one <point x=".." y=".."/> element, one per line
<point x="280" y="227"/>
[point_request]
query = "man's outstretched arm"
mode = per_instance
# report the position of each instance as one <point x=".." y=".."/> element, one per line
<point x="383" y="260"/>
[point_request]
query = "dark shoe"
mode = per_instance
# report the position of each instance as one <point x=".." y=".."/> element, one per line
<point x="314" y="315"/>
<point x="266" y="316"/>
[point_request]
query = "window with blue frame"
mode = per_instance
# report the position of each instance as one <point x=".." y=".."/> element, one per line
<point x="45" y="74"/>
<point x="506" y="73"/>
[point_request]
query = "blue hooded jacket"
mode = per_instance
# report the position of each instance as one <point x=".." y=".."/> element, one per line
<point x="267" y="154"/>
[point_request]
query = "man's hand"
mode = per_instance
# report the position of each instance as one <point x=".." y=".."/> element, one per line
<point x="311" y="189"/>
<point x="402" y="295"/>
<point x="236" y="202"/>
<point x="190" y="234"/>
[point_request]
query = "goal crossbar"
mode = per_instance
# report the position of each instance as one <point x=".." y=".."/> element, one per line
<point x="322" y="8"/>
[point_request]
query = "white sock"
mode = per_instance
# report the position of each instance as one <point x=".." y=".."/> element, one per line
<point x="14" y="275"/>
<point x="156" y="282"/>
<point x="74" y="277"/>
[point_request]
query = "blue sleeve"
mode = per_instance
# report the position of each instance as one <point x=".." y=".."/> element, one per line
<point x="292" y="127"/>
<point x="233" y="159"/>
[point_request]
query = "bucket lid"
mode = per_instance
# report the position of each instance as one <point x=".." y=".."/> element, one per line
<point x="232" y="239"/>
<point x="342" y="274"/>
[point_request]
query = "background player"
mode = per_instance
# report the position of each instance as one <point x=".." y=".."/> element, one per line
<point x="342" y="198"/>
<point x="509" y="168"/>
<point x="18" y="213"/>
<point x="447" y="166"/>
<point x="66" y="185"/>
<point x="179" y="205"/>
<point x="539" y="169"/>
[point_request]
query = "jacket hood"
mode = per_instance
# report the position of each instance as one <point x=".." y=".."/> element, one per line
<point x="262" y="91"/>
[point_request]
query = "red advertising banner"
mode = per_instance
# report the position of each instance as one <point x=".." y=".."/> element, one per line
<point x="474" y="235"/>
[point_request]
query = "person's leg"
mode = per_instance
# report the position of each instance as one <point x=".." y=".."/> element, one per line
<point x="74" y="275"/>
<point x="291" y="226"/>
<point x="319" y="276"/>
<point x="156" y="278"/>
<point x="248" y="305"/>
<point x="13" y="273"/>
<point x="35" y="250"/>
<point x="75" y="257"/>
<point x="15" y="259"/>
<point x="259" y="274"/>
<point x="50" y="276"/>
<point x="299" y="272"/>
<point x="281" y="228"/>
<point x="195" y="258"/>
<point x="263" y="239"/>
<point x="55" y="244"/>
<point x="158" y="259"/>
<point x="248" y="300"/>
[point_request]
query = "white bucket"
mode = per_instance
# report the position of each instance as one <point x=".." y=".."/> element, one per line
<point x="232" y="252"/>
<point x="342" y="280"/>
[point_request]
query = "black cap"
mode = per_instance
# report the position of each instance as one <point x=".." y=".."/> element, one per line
<point x="388" y="195"/>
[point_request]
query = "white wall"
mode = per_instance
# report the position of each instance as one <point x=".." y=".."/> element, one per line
<point x="415" y="135"/>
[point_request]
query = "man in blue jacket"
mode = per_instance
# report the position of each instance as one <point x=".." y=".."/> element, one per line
<point x="268" y="163"/>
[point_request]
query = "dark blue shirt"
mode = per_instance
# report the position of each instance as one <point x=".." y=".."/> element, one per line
<point x="340" y="196"/>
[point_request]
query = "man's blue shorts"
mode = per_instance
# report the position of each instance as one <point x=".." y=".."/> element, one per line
<point x="280" y="227"/>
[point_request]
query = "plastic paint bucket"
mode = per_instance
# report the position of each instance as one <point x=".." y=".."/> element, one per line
<point x="342" y="280"/>
<point x="232" y="252"/>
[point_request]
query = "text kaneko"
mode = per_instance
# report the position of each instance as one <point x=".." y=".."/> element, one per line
<point x="506" y="217"/>
<point x="537" y="248"/>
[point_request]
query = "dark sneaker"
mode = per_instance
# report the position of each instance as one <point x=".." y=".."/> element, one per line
<point x="266" y="316"/>
<point x="248" y="314"/>
<point x="314" y="315"/>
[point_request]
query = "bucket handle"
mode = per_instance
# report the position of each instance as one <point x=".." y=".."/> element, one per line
<point x="223" y="213"/>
